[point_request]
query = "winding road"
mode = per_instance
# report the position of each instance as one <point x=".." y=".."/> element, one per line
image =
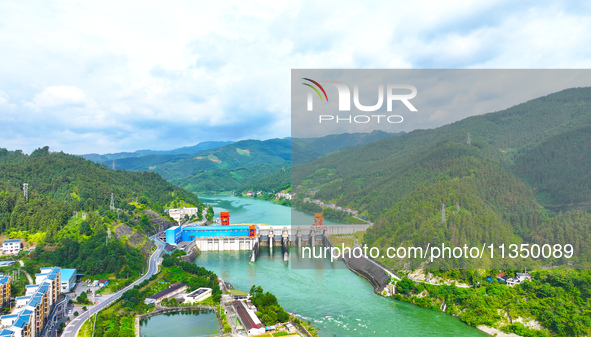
<point x="74" y="326"/>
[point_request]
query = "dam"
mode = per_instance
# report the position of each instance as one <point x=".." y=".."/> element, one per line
<point x="253" y="236"/>
<point x="342" y="304"/>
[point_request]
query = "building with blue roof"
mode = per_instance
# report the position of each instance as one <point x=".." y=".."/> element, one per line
<point x="173" y="235"/>
<point x="52" y="277"/>
<point x="68" y="279"/>
<point x="20" y="325"/>
<point x="4" y="290"/>
<point x="190" y="233"/>
<point x="12" y="247"/>
<point x="32" y="311"/>
<point x="6" y="333"/>
<point x="207" y="238"/>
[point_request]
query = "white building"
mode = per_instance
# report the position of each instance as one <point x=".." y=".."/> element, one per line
<point x="198" y="295"/>
<point x="68" y="279"/>
<point x="178" y="213"/>
<point x="518" y="279"/>
<point x="284" y="196"/>
<point x="12" y="247"/>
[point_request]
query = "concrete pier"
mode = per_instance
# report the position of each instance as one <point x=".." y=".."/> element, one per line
<point x="285" y="243"/>
<point x="255" y="252"/>
<point x="271" y="236"/>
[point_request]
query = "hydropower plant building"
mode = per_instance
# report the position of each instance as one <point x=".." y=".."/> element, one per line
<point x="207" y="238"/>
<point x="252" y="236"/>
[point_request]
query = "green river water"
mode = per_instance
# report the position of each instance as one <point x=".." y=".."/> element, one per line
<point x="335" y="300"/>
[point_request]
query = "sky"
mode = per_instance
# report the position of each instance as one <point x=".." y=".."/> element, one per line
<point x="110" y="76"/>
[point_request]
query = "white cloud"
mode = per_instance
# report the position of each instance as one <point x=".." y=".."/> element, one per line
<point x="439" y="115"/>
<point x="156" y="72"/>
<point x="59" y="95"/>
<point x="4" y="98"/>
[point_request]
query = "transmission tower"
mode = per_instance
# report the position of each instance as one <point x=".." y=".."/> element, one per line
<point x="442" y="213"/>
<point x="112" y="202"/>
<point x="468" y="141"/>
<point x="113" y="165"/>
<point x="26" y="191"/>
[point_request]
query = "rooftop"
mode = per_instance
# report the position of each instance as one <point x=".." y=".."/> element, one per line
<point x="12" y="241"/>
<point x="67" y="273"/>
<point x="245" y="318"/>
<point x="198" y="292"/>
<point x="167" y="291"/>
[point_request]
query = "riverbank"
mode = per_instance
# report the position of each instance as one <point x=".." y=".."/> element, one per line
<point x="551" y="303"/>
<point x="495" y="332"/>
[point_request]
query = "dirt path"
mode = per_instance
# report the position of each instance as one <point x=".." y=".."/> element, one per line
<point x="24" y="271"/>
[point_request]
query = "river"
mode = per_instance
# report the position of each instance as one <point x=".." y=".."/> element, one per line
<point x="336" y="301"/>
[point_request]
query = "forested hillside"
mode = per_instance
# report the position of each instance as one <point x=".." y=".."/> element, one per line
<point x="68" y="216"/>
<point x="246" y="164"/>
<point x="493" y="188"/>
<point x="180" y="152"/>
<point x="306" y="149"/>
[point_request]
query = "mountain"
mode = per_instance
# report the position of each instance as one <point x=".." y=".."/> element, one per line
<point x="521" y="166"/>
<point x="68" y="217"/>
<point x="246" y="164"/>
<point x="109" y="157"/>
<point x="306" y="149"/>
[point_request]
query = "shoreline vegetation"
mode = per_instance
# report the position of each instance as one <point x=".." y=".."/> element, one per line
<point x="553" y="303"/>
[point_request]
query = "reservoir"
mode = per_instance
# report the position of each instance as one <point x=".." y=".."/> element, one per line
<point x="181" y="324"/>
<point x="334" y="299"/>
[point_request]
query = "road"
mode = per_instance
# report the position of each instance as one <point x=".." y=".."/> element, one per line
<point x="73" y="328"/>
<point x="24" y="271"/>
<point x="50" y="329"/>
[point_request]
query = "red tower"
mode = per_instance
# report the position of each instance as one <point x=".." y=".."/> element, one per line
<point x="225" y="218"/>
<point x="318" y="220"/>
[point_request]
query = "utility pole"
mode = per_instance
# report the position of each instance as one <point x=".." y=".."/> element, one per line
<point x="112" y="205"/>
